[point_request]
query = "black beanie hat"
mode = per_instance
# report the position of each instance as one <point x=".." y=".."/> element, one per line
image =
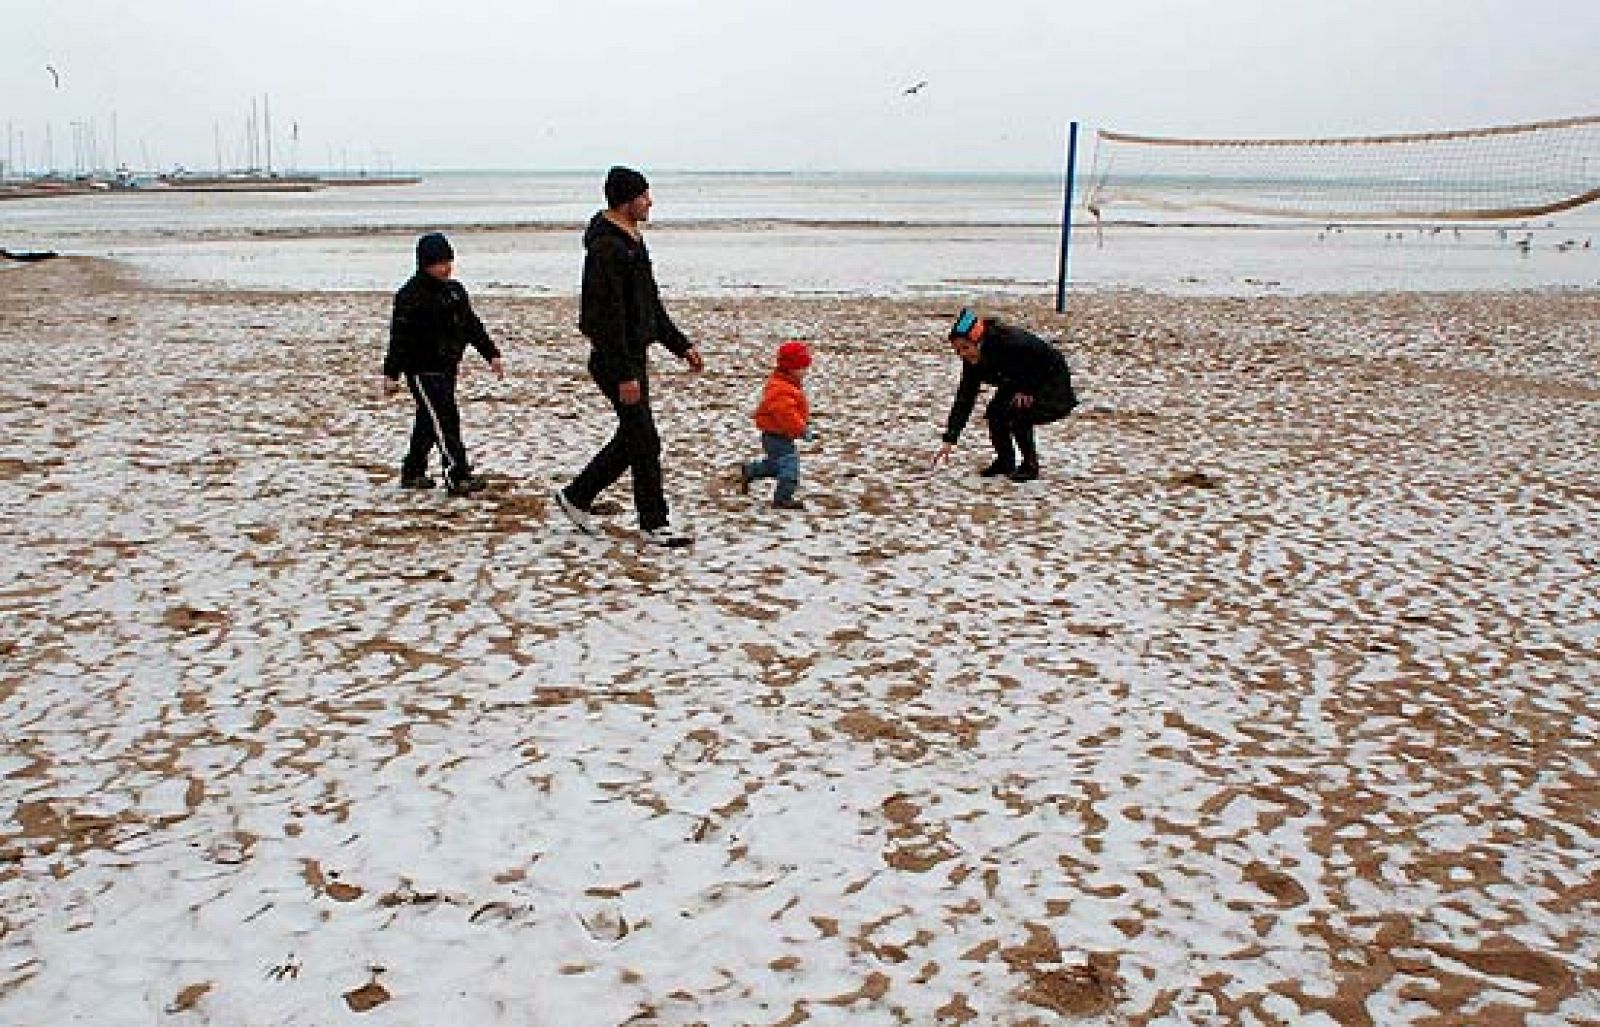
<point x="434" y="248"/>
<point x="624" y="184"/>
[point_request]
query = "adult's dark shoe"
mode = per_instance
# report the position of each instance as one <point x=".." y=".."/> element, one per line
<point x="1027" y="472"/>
<point x="665" y="536"/>
<point x="417" y="481"/>
<point x="468" y="485"/>
<point x="790" y="503"/>
<point x="999" y="468"/>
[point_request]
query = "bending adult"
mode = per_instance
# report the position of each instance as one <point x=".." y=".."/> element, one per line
<point x="1032" y="386"/>
<point x="621" y="314"/>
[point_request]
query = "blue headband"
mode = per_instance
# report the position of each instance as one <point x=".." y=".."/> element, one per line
<point x="964" y="322"/>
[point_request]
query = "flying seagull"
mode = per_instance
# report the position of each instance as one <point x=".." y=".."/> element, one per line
<point x="916" y="88"/>
<point x="54" y="74"/>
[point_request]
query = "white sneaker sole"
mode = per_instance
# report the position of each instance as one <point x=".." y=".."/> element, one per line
<point x="580" y="519"/>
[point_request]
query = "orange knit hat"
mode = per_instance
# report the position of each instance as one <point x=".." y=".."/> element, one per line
<point x="794" y="356"/>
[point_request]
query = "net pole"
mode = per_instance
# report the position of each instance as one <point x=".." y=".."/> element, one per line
<point x="1066" y="217"/>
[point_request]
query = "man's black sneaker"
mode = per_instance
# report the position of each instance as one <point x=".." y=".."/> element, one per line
<point x="665" y="536"/>
<point x="468" y="485"/>
<point x="417" y="481"/>
<point x="1027" y="472"/>
<point x="997" y="469"/>
<point x="581" y="519"/>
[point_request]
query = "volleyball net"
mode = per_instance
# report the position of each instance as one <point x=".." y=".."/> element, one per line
<point x="1504" y="172"/>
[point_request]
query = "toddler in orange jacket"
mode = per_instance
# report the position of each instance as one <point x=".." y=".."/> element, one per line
<point x="782" y="418"/>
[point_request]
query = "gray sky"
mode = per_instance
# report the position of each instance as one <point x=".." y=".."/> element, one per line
<point x="803" y="84"/>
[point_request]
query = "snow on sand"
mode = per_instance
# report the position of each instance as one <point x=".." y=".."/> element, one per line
<point x="1274" y="702"/>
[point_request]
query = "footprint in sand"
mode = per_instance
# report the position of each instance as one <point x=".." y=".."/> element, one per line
<point x="501" y="913"/>
<point x="288" y="970"/>
<point x="603" y="922"/>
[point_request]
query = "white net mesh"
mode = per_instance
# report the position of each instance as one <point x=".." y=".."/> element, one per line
<point x="1505" y="172"/>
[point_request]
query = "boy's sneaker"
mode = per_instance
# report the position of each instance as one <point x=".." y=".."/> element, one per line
<point x="666" y="536"/>
<point x="417" y="481"/>
<point x="580" y="518"/>
<point x="789" y="503"/>
<point x="1027" y="472"/>
<point x="467" y="486"/>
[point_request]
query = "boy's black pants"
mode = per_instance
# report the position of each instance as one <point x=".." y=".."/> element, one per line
<point x="438" y="423"/>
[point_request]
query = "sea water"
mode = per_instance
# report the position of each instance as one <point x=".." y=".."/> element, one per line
<point x="733" y="234"/>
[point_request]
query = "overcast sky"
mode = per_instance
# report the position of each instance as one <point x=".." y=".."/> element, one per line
<point x="801" y="84"/>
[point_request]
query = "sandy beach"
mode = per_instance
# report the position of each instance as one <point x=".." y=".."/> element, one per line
<point x="1273" y="703"/>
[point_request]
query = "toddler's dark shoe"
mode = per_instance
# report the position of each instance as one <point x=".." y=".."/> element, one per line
<point x="417" y="481"/>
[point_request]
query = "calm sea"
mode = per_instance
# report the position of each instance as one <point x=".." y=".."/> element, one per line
<point x="755" y="234"/>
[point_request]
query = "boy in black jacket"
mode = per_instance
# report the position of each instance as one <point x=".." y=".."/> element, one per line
<point x="432" y="326"/>
<point x="1032" y="386"/>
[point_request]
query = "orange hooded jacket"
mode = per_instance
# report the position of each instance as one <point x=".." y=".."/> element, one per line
<point x="783" y="410"/>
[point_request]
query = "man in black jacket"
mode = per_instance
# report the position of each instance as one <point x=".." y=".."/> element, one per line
<point x="432" y="326"/>
<point x="621" y="314"/>
<point x="1032" y="384"/>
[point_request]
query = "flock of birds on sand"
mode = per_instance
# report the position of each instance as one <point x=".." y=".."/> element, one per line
<point x="1522" y="244"/>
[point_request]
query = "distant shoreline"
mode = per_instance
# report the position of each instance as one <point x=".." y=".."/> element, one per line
<point x="746" y="224"/>
<point x="52" y="188"/>
<point x="790" y="234"/>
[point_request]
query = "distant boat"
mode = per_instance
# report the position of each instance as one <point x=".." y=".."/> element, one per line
<point x="28" y="256"/>
<point x="240" y="183"/>
<point x="182" y="181"/>
<point x="125" y="180"/>
<point x="39" y="188"/>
